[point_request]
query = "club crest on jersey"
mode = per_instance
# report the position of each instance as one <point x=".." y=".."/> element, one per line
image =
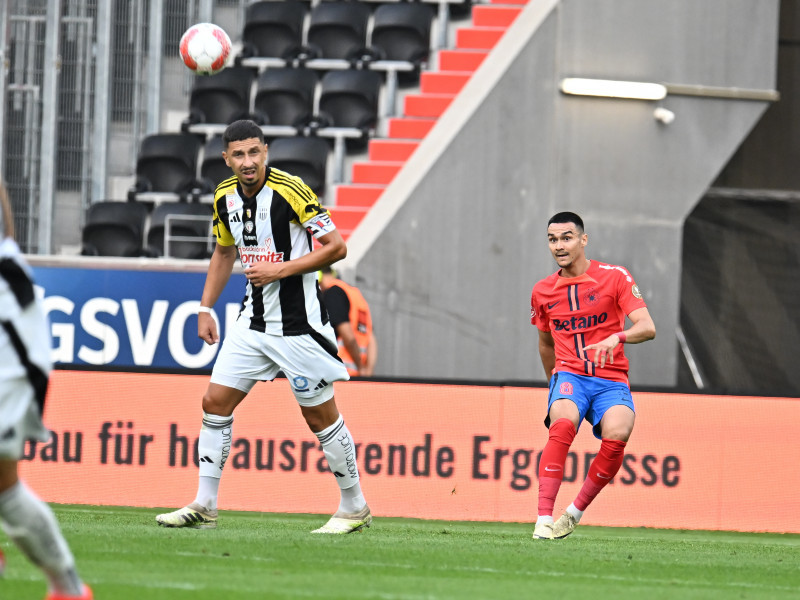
<point x="635" y="291"/>
<point x="248" y="226"/>
<point x="591" y="297"/>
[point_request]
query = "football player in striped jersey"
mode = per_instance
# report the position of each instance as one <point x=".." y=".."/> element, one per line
<point x="271" y="219"/>
<point x="24" y="372"/>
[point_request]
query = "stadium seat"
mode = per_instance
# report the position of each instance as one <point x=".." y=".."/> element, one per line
<point x="402" y="31"/>
<point x="114" y="228"/>
<point x="338" y="29"/>
<point x="306" y="157"/>
<point x="285" y="96"/>
<point x="272" y="28"/>
<point x="182" y="220"/>
<point x="213" y="169"/>
<point x="166" y="165"/>
<point x="349" y="98"/>
<point x="221" y="98"/>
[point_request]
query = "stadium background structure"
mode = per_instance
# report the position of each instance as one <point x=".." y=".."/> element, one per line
<point x="508" y="150"/>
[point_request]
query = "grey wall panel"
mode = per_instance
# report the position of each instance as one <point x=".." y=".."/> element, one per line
<point x="448" y="256"/>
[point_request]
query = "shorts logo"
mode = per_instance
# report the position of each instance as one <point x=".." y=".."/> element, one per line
<point x="565" y="388"/>
<point x="300" y="384"/>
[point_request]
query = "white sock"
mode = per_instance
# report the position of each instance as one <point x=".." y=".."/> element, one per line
<point x="31" y="524"/>
<point x="207" y="492"/>
<point x="544" y="519"/>
<point x="213" y="448"/>
<point x="576" y="514"/>
<point x="340" y="450"/>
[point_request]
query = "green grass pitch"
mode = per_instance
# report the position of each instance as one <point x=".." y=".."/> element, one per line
<point x="124" y="555"/>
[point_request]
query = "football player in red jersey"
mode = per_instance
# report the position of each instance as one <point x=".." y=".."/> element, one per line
<point x="580" y="312"/>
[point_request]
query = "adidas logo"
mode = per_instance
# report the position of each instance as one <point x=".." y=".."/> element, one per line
<point x="338" y="474"/>
<point x="322" y="383"/>
<point x="206" y="459"/>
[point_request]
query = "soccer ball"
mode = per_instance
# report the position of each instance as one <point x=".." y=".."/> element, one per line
<point x="205" y="48"/>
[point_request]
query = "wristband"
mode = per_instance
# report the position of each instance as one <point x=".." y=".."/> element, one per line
<point x="204" y="309"/>
<point x="622" y="337"/>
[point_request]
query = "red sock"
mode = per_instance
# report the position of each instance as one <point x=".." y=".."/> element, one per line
<point x="604" y="466"/>
<point x="551" y="467"/>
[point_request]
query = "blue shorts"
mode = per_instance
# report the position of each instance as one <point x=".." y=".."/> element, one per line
<point x="592" y="395"/>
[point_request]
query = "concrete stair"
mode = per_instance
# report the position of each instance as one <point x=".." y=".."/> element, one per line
<point x="386" y="156"/>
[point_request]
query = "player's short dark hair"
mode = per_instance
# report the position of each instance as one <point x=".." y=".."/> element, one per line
<point x="566" y="217"/>
<point x="244" y="129"/>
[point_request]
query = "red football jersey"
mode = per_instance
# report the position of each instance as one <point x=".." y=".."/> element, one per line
<point x="584" y="310"/>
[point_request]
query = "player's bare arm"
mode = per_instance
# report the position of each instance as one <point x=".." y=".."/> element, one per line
<point x="331" y="250"/>
<point x="344" y="331"/>
<point x="219" y="271"/>
<point x="641" y="330"/>
<point x="547" y="352"/>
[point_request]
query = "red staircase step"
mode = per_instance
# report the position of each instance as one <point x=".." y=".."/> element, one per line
<point x="412" y="129"/>
<point x="391" y="150"/>
<point x="438" y="82"/>
<point x="426" y="105"/>
<point x="358" y="195"/>
<point x="494" y="16"/>
<point x="347" y="218"/>
<point x="478" y="37"/>
<point x="375" y="172"/>
<point x="461" y="60"/>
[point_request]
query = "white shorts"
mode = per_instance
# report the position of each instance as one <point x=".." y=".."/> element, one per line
<point x="310" y="362"/>
<point x="24" y="361"/>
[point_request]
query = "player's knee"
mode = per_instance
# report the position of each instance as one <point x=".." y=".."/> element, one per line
<point x="620" y="432"/>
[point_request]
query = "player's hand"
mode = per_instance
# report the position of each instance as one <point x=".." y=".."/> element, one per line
<point x="207" y="328"/>
<point x="604" y="351"/>
<point x="262" y="273"/>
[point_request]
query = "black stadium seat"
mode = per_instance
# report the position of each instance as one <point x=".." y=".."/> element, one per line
<point x="305" y="157"/>
<point x="338" y="29"/>
<point x="114" y="228"/>
<point x="213" y="169"/>
<point x="402" y="31"/>
<point x="222" y="98"/>
<point x="349" y="98"/>
<point x="167" y="163"/>
<point x="186" y="219"/>
<point x="285" y="96"/>
<point x="272" y="28"/>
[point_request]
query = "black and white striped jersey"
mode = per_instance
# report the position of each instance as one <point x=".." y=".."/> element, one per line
<point x="275" y="225"/>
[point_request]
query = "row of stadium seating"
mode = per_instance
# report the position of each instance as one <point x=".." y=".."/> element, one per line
<point x="173" y="229"/>
<point x="180" y="166"/>
<point x="306" y="102"/>
<point x="338" y="29"/>
<point x="288" y="100"/>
